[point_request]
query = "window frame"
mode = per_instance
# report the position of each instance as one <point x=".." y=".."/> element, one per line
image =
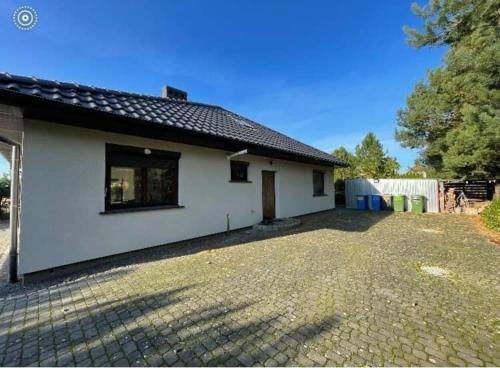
<point x="143" y="158"/>
<point x="317" y="194"/>
<point x="240" y="164"/>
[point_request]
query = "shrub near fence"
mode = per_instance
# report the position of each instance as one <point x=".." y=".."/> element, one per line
<point x="491" y="215"/>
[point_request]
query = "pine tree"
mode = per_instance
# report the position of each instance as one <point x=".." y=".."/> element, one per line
<point x="372" y="161"/>
<point x="454" y="115"/>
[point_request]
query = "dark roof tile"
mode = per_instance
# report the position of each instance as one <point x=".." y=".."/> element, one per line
<point x="209" y="119"/>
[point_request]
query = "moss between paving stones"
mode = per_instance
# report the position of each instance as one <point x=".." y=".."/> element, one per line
<point x="343" y="288"/>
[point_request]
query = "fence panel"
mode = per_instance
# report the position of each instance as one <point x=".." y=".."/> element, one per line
<point x="426" y="187"/>
<point x="473" y="189"/>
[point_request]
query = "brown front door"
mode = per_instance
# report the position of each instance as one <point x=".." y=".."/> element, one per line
<point x="268" y="195"/>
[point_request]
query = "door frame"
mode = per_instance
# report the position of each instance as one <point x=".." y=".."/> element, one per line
<point x="274" y="194"/>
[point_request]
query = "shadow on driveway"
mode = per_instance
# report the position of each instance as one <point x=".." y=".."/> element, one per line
<point x="212" y="334"/>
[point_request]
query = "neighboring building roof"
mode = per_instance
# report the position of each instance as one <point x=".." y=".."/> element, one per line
<point x="208" y="120"/>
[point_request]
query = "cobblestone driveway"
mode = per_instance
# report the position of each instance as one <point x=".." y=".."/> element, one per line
<point x="345" y="288"/>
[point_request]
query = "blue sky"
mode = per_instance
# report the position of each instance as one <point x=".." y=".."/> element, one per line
<point x="324" y="72"/>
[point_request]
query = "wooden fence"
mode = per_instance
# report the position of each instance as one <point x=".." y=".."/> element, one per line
<point x="473" y="189"/>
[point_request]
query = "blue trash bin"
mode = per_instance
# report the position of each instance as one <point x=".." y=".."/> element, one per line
<point x="362" y="202"/>
<point x="376" y="202"/>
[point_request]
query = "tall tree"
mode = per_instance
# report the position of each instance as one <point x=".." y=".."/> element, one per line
<point x="454" y="115"/>
<point x="343" y="173"/>
<point x="372" y="161"/>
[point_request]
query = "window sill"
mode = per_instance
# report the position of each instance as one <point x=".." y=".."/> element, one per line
<point x="320" y="195"/>
<point x="239" y="181"/>
<point x="139" y="209"/>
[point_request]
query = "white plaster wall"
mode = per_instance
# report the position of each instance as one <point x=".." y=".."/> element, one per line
<point x="63" y="194"/>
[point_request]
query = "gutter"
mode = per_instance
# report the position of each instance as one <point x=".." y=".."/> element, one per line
<point x="40" y="108"/>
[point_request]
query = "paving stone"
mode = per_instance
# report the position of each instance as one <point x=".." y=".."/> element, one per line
<point x="44" y="363"/>
<point x="170" y="358"/>
<point x="316" y="357"/>
<point x="206" y="357"/>
<point x="245" y="359"/>
<point x="281" y="358"/>
<point x="187" y="356"/>
<point x="97" y="352"/>
<point x="470" y="359"/>
<point x="304" y="361"/>
<point x="106" y="361"/>
<point x="419" y="354"/>
<point x="121" y="363"/>
<point x="271" y="363"/>
<point x="84" y="363"/>
<point x="343" y="289"/>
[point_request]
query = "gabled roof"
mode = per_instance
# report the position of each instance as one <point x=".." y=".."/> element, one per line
<point x="191" y="117"/>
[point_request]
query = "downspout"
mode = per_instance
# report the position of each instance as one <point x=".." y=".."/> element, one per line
<point x="14" y="213"/>
<point x="334" y="187"/>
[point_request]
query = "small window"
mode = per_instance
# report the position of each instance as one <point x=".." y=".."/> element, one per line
<point x="239" y="171"/>
<point x="318" y="183"/>
<point x="138" y="177"/>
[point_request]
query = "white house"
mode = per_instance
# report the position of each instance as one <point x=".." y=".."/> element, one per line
<point x="102" y="172"/>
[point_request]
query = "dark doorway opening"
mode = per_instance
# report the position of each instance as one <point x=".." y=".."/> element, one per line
<point x="268" y="196"/>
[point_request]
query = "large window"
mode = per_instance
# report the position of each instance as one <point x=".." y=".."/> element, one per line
<point x="318" y="183"/>
<point x="140" y="177"/>
<point x="239" y="171"/>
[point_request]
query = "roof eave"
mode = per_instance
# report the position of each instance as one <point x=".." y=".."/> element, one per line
<point x="58" y="112"/>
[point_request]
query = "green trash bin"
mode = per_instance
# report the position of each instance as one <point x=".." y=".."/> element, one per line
<point x="398" y="203"/>
<point x="417" y="203"/>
